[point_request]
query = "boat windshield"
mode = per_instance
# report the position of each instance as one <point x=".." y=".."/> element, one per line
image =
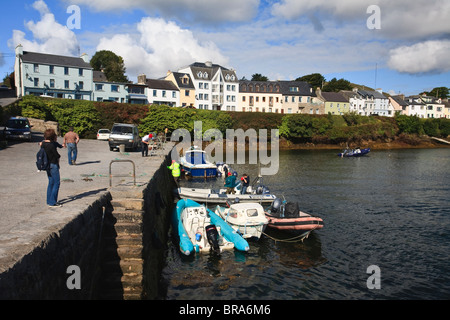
<point x="197" y="157"/>
<point x="232" y="213"/>
<point x="252" y="213"/>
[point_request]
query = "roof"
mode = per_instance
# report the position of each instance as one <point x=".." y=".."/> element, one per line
<point x="99" y="76"/>
<point x="178" y="78"/>
<point x="51" y="59"/>
<point x="400" y="101"/>
<point x="161" y="84"/>
<point x="303" y="88"/>
<point x="334" y="97"/>
<point x="264" y="86"/>
<point x="208" y="70"/>
<point x="370" y="93"/>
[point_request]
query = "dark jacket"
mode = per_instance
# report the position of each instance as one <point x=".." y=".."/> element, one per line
<point x="52" y="154"/>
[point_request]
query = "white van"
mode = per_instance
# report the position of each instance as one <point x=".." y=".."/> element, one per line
<point x="126" y="134"/>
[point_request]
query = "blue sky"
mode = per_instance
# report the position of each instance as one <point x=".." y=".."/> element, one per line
<point x="282" y="39"/>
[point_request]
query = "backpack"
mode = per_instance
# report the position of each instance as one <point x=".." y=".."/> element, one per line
<point x="42" y="162"/>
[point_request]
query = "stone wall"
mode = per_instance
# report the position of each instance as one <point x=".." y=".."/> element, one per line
<point x="39" y="125"/>
<point x="44" y="274"/>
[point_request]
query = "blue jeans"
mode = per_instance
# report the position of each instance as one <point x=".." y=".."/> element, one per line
<point x="244" y="190"/>
<point x="53" y="184"/>
<point x="72" y="152"/>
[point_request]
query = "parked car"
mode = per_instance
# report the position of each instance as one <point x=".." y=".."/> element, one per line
<point x="103" y="134"/>
<point x="18" y="128"/>
<point x="126" y="134"/>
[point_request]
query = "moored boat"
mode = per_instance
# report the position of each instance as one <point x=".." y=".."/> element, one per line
<point x="246" y="218"/>
<point x="358" y="152"/>
<point x="195" y="163"/>
<point x="287" y="217"/>
<point x="201" y="230"/>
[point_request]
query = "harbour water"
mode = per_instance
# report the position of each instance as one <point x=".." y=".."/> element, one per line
<point x="390" y="209"/>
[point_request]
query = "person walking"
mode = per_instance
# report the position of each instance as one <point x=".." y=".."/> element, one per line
<point x="245" y="183"/>
<point x="230" y="182"/>
<point x="49" y="144"/>
<point x="70" y="142"/>
<point x="176" y="170"/>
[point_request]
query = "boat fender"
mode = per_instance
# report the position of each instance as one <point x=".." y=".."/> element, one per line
<point x="236" y="200"/>
<point x="212" y="236"/>
<point x="198" y="236"/>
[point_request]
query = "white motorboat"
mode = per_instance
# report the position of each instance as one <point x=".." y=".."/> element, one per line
<point x="248" y="219"/>
<point x="195" y="163"/>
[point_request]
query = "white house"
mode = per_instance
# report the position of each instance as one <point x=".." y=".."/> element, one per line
<point x="53" y="75"/>
<point x="160" y="91"/>
<point x="216" y="87"/>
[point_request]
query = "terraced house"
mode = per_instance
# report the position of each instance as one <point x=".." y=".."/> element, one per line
<point x="53" y="75"/>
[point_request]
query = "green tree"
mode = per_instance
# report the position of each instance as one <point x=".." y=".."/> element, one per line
<point x="316" y="80"/>
<point x="335" y="85"/>
<point x="259" y="77"/>
<point x="111" y="64"/>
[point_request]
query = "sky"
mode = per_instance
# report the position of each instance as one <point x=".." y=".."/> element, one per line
<point x="401" y="46"/>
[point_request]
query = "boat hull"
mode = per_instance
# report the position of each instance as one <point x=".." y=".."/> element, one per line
<point x="303" y="223"/>
<point x="354" y="154"/>
<point x="211" y="197"/>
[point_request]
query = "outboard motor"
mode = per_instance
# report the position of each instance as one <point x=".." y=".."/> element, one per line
<point x="265" y="190"/>
<point x="259" y="189"/>
<point x="213" y="237"/>
<point x="276" y="204"/>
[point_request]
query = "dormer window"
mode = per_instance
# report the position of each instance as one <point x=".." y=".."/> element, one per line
<point x="199" y="74"/>
<point x="205" y="75"/>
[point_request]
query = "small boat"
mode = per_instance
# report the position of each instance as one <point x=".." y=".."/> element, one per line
<point x="195" y="163"/>
<point x="219" y="196"/>
<point x="201" y="230"/>
<point x="287" y="217"/>
<point x="354" y="152"/>
<point x="246" y="218"/>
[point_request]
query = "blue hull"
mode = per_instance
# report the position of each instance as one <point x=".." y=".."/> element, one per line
<point x="201" y="172"/>
<point x="186" y="245"/>
<point x="352" y="153"/>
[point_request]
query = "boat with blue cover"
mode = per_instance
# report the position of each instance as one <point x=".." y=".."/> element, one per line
<point x="195" y="163"/>
<point x="201" y="230"/>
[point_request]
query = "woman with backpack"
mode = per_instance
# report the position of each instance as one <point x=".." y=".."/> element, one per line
<point x="49" y="145"/>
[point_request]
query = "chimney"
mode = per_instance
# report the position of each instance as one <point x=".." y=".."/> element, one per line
<point x="85" y="57"/>
<point x="142" y="79"/>
<point x="19" y="50"/>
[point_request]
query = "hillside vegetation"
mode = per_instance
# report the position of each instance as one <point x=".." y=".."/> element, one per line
<point x="87" y="117"/>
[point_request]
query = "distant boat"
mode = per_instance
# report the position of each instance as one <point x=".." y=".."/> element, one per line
<point x="354" y="152"/>
<point x="195" y="163"/>
<point x="246" y="218"/>
<point x="201" y="230"/>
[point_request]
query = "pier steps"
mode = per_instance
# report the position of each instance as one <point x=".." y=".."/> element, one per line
<point x="122" y="267"/>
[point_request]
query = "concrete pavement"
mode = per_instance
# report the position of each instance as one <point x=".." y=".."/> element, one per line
<point x="26" y="220"/>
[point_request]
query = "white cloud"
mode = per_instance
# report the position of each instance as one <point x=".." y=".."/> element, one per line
<point x="403" y="19"/>
<point x="198" y="11"/>
<point x="425" y="57"/>
<point x="158" y="47"/>
<point x="49" y="36"/>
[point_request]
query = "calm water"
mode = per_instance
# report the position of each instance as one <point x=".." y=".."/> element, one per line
<point x="389" y="209"/>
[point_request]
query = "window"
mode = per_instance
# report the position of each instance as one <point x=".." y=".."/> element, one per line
<point x="81" y="85"/>
<point x="200" y="85"/>
<point x="52" y="83"/>
<point x="80" y="72"/>
<point x="52" y="69"/>
<point x="98" y="87"/>
<point x="164" y="93"/>
<point x="36" y="82"/>
<point x="66" y="71"/>
<point x="174" y="94"/>
<point x="36" y="68"/>
<point x="155" y="93"/>
<point x="66" y="84"/>
<point x="114" y="88"/>
<point x="293" y="89"/>
<point x="186" y="93"/>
